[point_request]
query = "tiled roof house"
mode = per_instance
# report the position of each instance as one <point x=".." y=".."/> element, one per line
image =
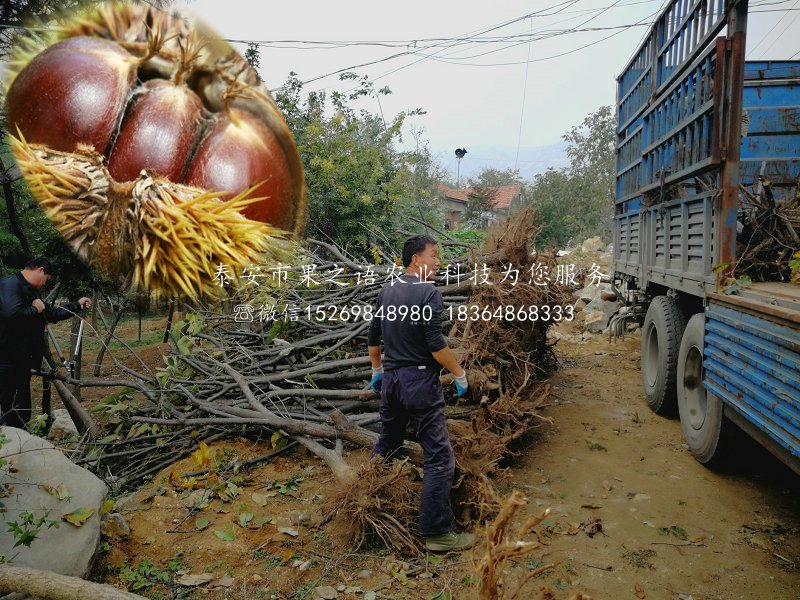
<point x="455" y="202"/>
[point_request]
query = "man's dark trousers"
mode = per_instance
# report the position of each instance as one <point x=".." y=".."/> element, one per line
<point x="415" y="394"/>
<point x="15" y="394"/>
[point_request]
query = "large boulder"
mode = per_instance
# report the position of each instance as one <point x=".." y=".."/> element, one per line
<point x="594" y="244"/>
<point x="34" y="467"/>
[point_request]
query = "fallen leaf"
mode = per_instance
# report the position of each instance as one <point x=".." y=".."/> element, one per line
<point x="574" y="528"/>
<point x="592" y="525"/>
<point x="245" y="518"/>
<point x="259" y="499"/>
<point x="48" y="489"/>
<point x="288" y="531"/>
<point x="228" y="534"/>
<point x="196" y="579"/>
<point x="61" y="492"/>
<point x="261" y="521"/>
<point x="697" y="539"/>
<point x="78" y="517"/>
<point x="202" y="456"/>
<point x="149" y="540"/>
<point x="107" y="506"/>
<point x="201" y="523"/>
<point x="639" y="590"/>
<point x="226" y="581"/>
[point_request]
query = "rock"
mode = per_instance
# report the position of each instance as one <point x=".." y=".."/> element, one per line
<point x="641" y="497"/>
<point x="588" y="293"/>
<point x="68" y="549"/>
<point x="114" y="525"/>
<point x="595" y="322"/>
<point x="610" y="249"/>
<point x="298" y="517"/>
<point x="608" y="296"/>
<point x="594" y="244"/>
<point x="363" y="574"/>
<point x="325" y="592"/>
<point x="62" y="427"/>
<point x="370" y="595"/>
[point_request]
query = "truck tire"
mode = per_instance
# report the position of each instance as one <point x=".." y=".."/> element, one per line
<point x="704" y="426"/>
<point x="661" y="339"/>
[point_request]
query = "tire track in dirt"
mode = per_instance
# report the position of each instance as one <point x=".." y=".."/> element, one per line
<point x="668" y="523"/>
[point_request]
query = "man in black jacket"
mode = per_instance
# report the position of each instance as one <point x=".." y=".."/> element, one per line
<point x="23" y="317"/>
<point x="408" y="319"/>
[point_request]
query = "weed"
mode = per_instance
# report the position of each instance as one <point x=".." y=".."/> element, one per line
<point x="640" y="558"/>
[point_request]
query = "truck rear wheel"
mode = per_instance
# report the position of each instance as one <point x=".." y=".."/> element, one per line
<point x="661" y="338"/>
<point x="701" y="415"/>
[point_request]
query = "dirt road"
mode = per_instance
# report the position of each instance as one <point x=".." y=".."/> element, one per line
<point x="670" y="525"/>
<point x="664" y="522"/>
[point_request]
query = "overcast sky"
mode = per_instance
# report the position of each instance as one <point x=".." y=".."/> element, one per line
<point x="473" y="92"/>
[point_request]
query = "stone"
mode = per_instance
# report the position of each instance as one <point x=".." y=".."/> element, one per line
<point x="298" y="517"/>
<point x="370" y="595"/>
<point x="37" y="462"/>
<point x="641" y="497"/>
<point x="114" y="525"/>
<point x="595" y="322"/>
<point x="608" y="296"/>
<point x="610" y="249"/>
<point x="62" y="426"/>
<point x="593" y="244"/>
<point x="325" y="592"/>
<point x="363" y="574"/>
<point x="588" y="293"/>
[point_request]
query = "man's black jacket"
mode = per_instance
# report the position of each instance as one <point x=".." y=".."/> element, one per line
<point x="21" y="325"/>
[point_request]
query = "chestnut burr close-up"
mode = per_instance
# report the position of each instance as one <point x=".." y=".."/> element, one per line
<point x="154" y="149"/>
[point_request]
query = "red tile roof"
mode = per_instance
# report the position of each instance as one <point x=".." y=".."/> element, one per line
<point x="503" y="196"/>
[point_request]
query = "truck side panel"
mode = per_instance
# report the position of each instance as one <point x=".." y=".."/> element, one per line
<point x="752" y="362"/>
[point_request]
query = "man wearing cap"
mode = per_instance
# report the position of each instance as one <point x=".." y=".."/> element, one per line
<point x="23" y="317"/>
<point x="408" y="318"/>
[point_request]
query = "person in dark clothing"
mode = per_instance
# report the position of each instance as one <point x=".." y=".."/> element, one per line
<point x="408" y="318"/>
<point x="23" y="317"/>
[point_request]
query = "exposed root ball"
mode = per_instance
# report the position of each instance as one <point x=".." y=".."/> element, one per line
<point x="381" y="504"/>
<point x="161" y="237"/>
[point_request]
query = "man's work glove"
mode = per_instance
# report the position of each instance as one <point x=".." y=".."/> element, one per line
<point x="377" y="378"/>
<point x="461" y="383"/>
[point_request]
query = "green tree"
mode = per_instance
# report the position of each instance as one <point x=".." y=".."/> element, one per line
<point x="354" y="175"/>
<point x="578" y="201"/>
<point x="480" y="204"/>
<point x="253" y="56"/>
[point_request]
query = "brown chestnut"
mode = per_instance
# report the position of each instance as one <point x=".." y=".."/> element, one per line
<point x="72" y="93"/>
<point x="159" y="132"/>
<point x="238" y="153"/>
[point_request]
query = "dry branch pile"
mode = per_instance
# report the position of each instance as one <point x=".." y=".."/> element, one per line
<point x="770" y="234"/>
<point x="304" y="374"/>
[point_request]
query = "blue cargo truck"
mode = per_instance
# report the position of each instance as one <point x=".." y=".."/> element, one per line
<point x="696" y="122"/>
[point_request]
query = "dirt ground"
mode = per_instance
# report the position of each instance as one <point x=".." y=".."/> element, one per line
<point x="662" y="526"/>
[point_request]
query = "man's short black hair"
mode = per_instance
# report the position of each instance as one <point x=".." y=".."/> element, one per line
<point x="415" y="245"/>
<point x="40" y="261"/>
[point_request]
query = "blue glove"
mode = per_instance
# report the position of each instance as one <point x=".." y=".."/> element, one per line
<point x="377" y="379"/>
<point x="462" y="384"/>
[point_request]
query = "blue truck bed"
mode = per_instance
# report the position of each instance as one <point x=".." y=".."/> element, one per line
<point x="675" y="217"/>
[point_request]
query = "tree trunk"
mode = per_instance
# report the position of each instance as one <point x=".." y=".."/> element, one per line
<point x="11" y="208"/>
<point x="53" y="586"/>
<point x="80" y="416"/>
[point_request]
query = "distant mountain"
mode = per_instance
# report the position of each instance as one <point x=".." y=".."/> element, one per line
<point x="532" y="159"/>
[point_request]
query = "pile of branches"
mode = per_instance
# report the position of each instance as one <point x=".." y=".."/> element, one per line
<point x="769" y="236"/>
<point x="306" y="376"/>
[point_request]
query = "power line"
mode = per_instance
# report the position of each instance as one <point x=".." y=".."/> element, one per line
<point x="764" y="37"/>
<point x="524" y="94"/>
